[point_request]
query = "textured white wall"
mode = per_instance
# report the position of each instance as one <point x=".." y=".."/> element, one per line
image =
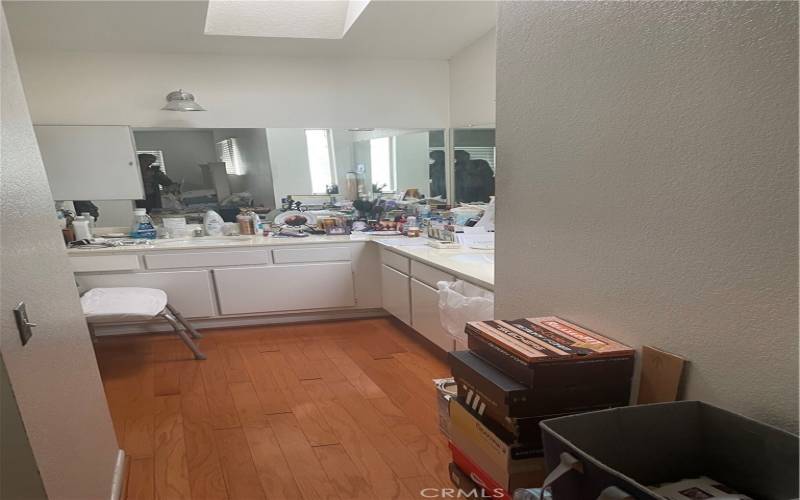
<point x="649" y="184"/>
<point x="472" y="83"/>
<point x="54" y="377"/>
<point x="238" y="91"/>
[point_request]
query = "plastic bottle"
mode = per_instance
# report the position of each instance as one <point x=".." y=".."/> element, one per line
<point x="256" y="223"/>
<point x="245" y="224"/>
<point x="89" y="217"/>
<point x="81" y="228"/>
<point x="212" y="223"/>
<point x="142" y="226"/>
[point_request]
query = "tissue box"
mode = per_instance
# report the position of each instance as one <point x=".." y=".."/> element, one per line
<point x="510" y="465"/>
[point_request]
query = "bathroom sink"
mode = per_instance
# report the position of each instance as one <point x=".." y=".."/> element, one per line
<point x="474" y="258"/>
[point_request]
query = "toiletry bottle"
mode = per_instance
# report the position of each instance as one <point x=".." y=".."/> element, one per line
<point x="256" y="223"/>
<point x="142" y="226"/>
<point x="212" y="223"/>
<point x="245" y="224"/>
<point x="81" y="227"/>
<point x="88" y="216"/>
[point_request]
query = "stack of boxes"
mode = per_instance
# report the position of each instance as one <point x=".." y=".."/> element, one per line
<point x="515" y="374"/>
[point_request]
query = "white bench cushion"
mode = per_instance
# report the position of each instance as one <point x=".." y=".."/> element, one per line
<point x="122" y="304"/>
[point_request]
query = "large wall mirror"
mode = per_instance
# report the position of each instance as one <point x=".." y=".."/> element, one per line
<point x="189" y="170"/>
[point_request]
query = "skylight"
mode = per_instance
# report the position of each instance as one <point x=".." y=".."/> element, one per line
<point x="329" y="19"/>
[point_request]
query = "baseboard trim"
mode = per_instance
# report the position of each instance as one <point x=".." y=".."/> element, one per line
<point x="118" y="479"/>
<point x="232" y="322"/>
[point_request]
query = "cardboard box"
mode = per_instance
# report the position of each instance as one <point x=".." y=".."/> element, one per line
<point x="478" y="475"/>
<point x="510" y="465"/>
<point x="513" y="410"/>
<point x="467" y="486"/>
<point x="549" y="352"/>
<point x="637" y="447"/>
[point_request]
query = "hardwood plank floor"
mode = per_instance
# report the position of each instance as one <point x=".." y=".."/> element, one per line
<point x="341" y="409"/>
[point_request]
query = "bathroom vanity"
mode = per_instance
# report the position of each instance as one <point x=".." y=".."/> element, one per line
<point x="251" y="280"/>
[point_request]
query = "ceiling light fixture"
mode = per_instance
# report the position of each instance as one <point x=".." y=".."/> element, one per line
<point x="180" y="100"/>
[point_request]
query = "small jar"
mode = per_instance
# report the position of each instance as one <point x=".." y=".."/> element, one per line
<point x="245" y="224"/>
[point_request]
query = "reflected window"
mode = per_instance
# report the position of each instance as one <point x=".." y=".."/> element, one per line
<point x="485" y="153"/>
<point x="228" y="152"/>
<point x="382" y="164"/>
<point x="474" y="164"/>
<point x="320" y="161"/>
<point x="159" y="159"/>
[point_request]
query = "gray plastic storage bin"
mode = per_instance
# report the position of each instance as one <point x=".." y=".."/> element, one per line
<point x="634" y="447"/>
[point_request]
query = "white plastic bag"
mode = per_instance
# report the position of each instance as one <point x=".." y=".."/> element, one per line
<point x="461" y="302"/>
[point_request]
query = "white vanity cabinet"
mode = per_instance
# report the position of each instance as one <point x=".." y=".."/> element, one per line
<point x="396" y="293"/>
<point x="425" y="315"/>
<point x="228" y="284"/>
<point x="267" y="289"/>
<point x="410" y="293"/>
<point x="190" y="292"/>
<point x="425" y="303"/>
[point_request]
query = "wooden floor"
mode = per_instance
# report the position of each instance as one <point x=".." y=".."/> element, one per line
<point x="315" y="411"/>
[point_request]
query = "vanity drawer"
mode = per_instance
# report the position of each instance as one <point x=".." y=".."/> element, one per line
<point x="395" y="261"/>
<point x="319" y="254"/>
<point x="429" y="275"/>
<point x="97" y="263"/>
<point x="206" y="259"/>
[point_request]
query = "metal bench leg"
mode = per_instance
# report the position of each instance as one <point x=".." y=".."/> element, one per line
<point x="194" y="333"/>
<point x="185" y="338"/>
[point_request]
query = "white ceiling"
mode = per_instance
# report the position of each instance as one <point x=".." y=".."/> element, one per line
<point x="403" y="29"/>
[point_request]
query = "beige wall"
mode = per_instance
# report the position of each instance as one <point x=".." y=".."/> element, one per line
<point x="649" y="184"/>
<point x="54" y="377"/>
<point x="19" y="475"/>
<point x="237" y="91"/>
<point x="472" y="83"/>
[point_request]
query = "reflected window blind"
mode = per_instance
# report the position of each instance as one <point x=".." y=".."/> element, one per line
<point x="228" y="152"/>
<point x="481" y="153"/>
<point x="159" y="159"/>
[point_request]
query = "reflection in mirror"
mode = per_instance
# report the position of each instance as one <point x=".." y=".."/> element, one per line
<point x="474" y="164"/>
<point x="188" y="171"/>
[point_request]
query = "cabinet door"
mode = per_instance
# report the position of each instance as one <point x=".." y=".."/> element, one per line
<point x="425" y="314"/>
<point x="90" y="162"/>
<point x="396" y="293"/>
<point x="265" y="289"/>
<point x="189" y="291"/>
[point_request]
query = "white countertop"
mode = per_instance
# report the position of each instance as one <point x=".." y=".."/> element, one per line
<point x="475" y="266"/>
<point x="210" y="242"/>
